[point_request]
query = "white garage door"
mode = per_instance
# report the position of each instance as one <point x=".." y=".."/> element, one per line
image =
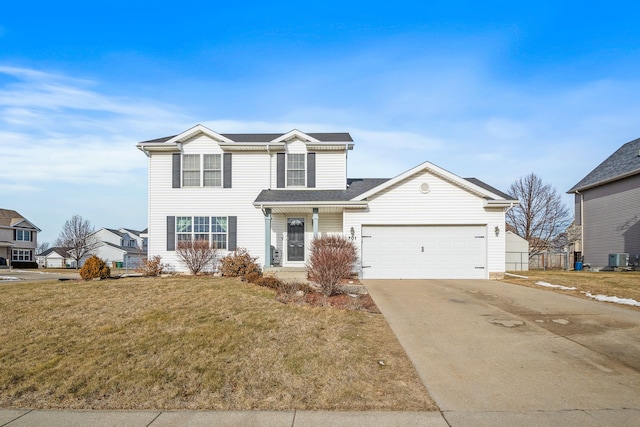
<point x="424" y="252"/>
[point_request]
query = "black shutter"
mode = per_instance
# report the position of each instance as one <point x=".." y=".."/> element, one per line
<point x="15" y="234"/>
<point x="281" y="170"/>
<point x="171" y="233"/>
<point x="233" y="233"/>
<point x="175" y="177"/>
<point x="226" y="171"/>
<point x="311" y="170"/>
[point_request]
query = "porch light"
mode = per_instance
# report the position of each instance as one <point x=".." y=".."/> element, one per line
<point x="353" y="233"/>
<point x="497" y="230"/>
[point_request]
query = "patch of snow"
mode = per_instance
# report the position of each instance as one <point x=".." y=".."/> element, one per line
<point x="626" y="301"/>
<point x="8" y="278"/>
<point x="549" y="285"/>
<point x="34" y="271"/>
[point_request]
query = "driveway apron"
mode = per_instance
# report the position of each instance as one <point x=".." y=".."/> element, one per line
<point x="483" y="345"/>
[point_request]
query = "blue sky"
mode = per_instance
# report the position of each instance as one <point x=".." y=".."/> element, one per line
<point x="493" y="90"/>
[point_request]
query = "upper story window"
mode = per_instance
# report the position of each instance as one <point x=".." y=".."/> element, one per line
<point x="295" y="170"/>
<point x="212" y="170"/>
<point x="191" y="170"/>
<point x="24" y="235"/>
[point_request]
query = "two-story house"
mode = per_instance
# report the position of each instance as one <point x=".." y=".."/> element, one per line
<point x="122" y="248"/>
<point x="273" y="193"/>
<point x="18" y="239"/>
<point x="607" y="209"/>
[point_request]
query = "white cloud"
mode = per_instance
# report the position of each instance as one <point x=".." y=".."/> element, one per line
<point x="60" y="129"/>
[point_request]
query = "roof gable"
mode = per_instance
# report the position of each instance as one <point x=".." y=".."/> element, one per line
<point x="11" y="218"/>
<point x="621" y="164"/>
<point x="472" y="185"/>
<point x="195" y="131"/>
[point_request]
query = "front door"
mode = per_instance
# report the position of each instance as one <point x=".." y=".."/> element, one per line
<point x="295" y="239"/>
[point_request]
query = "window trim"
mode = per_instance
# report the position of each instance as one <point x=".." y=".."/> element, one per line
<point x="303" y="170"/>
<point x="21" y="232"/>
<point x="219" y="178"/>
<point x="25" y="254"/>
<point x="191" y="170"/>
<point x="192" y="230"/>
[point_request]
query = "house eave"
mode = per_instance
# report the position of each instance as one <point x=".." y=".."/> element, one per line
<point x="603" y="182"/>
<point x="159" y="147"/>
<point x="342" y="204"/>
<point x="501" y="203"/>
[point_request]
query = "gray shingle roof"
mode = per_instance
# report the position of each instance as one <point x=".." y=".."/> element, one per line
<point x="624" y="162"/>
<point x="486" y="186"/>
<point x="356" y="187"/>
<point x="6" y="215"/>
<point x="268" y="137"/>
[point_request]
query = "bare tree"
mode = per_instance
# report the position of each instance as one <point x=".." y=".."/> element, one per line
<point x="197" y="256"/>
<point x="77" y="238"/>
<point x="42" y="247"/>
<point x="541" y="217"/>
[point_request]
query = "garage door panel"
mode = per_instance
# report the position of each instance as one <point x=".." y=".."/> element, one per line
<point x="424" y="252"/>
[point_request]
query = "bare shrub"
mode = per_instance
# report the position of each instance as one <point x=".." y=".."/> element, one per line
<point x="151" y="266"/>
<point x="239" y="264"/>
<point x="331" y="260"/>
<point x="198" y="256"/>
<point x="269" y="282"/>
<point x="252" y="277"/>
<point x="94" y="268"/>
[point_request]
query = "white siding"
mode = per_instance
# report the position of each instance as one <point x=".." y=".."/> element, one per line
<point x="444" y="204"/>
<point x="331" y="170"/>
<point x="109" y="254"/>
<point x="165" y="201"/>
<point x="330" y="224"/>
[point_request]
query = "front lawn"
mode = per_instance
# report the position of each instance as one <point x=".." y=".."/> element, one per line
<point x="624" y="284"/>
<point x="194" y="343"/>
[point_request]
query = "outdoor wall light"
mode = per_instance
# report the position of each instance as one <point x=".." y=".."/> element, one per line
<point x="497" y="230"/>
<point x="353" y="233"/>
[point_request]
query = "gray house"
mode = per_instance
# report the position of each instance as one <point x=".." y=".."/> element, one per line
<point x="607" y="208"/>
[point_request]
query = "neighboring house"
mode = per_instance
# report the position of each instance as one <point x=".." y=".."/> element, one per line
<point x="607" y="207"/>
<point x="18" y="238"/>
<point x="122" y="248"/>
<point x="273" y="193"/>
<point x="55" y="257"/>
<point x="517" y="252"/>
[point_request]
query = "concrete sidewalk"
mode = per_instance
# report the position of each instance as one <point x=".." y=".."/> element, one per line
<point x="82" y="418"/>
<point x="53" y="418"/>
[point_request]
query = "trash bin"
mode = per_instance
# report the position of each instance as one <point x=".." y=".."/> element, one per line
<point x="119" y="264"/>
<point x="578" y="265"/>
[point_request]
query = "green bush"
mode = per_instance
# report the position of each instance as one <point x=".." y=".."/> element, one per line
<point x="239" y="264"/>
<point x="93" y="268"/>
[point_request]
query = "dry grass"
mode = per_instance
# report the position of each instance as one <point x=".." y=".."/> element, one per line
<point x="620" y="284"/>
<point x="194" y="343"/>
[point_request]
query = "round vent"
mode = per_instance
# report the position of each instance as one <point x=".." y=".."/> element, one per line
<point x="424" y="188"/>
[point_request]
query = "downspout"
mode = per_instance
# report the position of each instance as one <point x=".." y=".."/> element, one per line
<point x="270" y="164"/>
<point x="581" y="223"/>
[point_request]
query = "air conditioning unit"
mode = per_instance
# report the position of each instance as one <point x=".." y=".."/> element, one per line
<point x="618" y="260"/>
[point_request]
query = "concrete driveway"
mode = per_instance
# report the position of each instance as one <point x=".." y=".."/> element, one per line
<point x="487" y="347"/>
